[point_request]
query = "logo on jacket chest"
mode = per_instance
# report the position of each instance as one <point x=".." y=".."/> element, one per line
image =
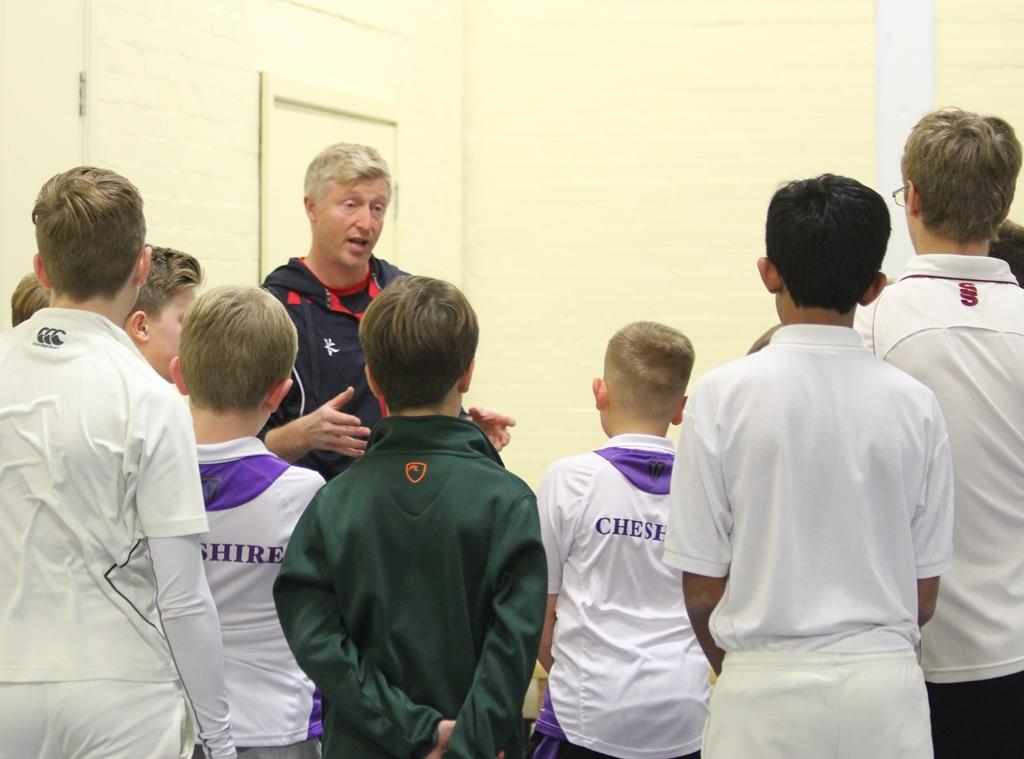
<point x="330" y="347"/>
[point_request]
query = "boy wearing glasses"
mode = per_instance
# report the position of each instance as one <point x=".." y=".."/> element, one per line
<point x="955" y="320"/>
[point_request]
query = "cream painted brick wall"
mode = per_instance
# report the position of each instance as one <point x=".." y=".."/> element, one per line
<point x="619" y="159"/>
<point x="174" y="105"/>
<point x="979" y="63"/>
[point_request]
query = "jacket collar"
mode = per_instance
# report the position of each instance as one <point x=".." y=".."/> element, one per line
<point x="431" y="434"/>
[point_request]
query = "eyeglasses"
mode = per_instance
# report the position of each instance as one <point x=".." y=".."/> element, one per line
<point x="899" y="196"/>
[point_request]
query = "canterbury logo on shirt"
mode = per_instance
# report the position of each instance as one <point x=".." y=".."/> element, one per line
<point x="48" y="337"/>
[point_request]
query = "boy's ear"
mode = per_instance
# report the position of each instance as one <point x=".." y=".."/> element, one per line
<point x="466" y="378"/>
<point x="276" y="394"/>
<point x="40" y="271"/>
<point x="601" y="395"/>
<point x="677" y="418"/>
<point x="913" y="199"/>
<point x="176" y="375"/>
<point x="770" y="276"/>
<point x="874" y="289"/>
<point x="141" y="271"/>
<point x="137" y="327"/>
<point x="310" y="206"/>
<point x="374" y="387"/>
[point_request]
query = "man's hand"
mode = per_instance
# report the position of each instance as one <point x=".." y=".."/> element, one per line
<point x="326" y="429"/>
<point x="494" y="424"/>
<point x="444" y="737"/>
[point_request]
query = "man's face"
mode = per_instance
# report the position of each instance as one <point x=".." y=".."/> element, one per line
<point x="347" y="221"/>
<point x="165" y="333"/>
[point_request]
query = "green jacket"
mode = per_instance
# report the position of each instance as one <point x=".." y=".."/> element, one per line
<point x="414" y="589"/>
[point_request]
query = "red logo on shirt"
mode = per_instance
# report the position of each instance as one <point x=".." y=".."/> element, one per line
<point x="415" y="471"/>
<point x="968" y="294"/>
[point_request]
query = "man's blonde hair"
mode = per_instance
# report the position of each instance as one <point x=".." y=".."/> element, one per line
<point x="170" y="273"/>
<point x="964" y="168"/>
<point x="89" y="230"/>
<point x="647" y="367"/>
<point x="343" y="164"/>
<point x="28" y="297"/>
<point x="419" y="335"/>
<point x="236" y="342"/>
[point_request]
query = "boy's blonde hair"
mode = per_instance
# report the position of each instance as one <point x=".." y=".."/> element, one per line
<point x="170" y="273"/>
<point x="89" y="230"/>
<point x="647" y="367"/>
<point x="28" y="297"/>
<point x="964" y="168"/>
<point x="236" y="342"/>
<point x="343" y="164"/>
<point x="419" y="335"/>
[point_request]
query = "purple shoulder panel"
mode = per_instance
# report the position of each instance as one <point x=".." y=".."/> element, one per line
<point x="649" y="471"/>
<point x="229" y="484"/>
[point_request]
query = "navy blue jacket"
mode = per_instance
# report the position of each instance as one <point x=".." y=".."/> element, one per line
<point x="330" y="357"/>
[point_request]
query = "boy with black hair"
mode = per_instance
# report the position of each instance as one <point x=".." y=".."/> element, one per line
<point x="412" y="591"/>
<point x="1009" y="246"/>
<point x="628" y="678"/>
<point x="238" y="348"/>
<point x="954" y="320"/>
<point x="812" y="507"/>
<point x="154" y="323"/>
<point x="107" y="622"/>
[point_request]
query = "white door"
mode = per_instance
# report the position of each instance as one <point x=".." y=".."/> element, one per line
<point x="298" y="121"/>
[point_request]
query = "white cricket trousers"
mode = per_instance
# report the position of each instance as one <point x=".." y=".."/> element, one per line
<point x="94" y="719"/>
<point x="818" y="706"/>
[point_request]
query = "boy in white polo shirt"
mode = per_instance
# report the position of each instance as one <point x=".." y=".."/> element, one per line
<point x="955" y="320"/>
<point x="811" y="507"/>
<point x="627" y="677"/>
<point x="105" y="613"/>
<point x="238" y="348"/>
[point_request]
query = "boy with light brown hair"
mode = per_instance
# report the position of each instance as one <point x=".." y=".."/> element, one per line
<point x="627" y="676"/>
<point x="431" y="649"/>
<point x="108" y="625"/>
<point x="954" y="320"/>
<point x="238" y="348"/>
<point x="154" y="324"/>
<point x="28" y="297"/>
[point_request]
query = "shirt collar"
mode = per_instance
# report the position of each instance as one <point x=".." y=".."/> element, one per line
<point x="951" y="265"/>
<point x="817" y="334"/>
<point x="232" y="449"/>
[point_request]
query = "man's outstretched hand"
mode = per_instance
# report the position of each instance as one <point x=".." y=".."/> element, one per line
<point x="494" y="424"/>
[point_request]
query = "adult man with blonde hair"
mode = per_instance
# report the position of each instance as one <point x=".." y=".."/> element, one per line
<point x="106" y="618"/>
<point x="955" y="321"/>
<point x="347" y="192"/>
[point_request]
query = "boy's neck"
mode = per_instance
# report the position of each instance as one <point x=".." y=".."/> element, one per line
<point x="927" y="242"/>
<point x="624" y="424"/>
<point x="221" y="426"/>
<point x="115" y="309"/>
<point x="450" y="405"/>
<point x="790" y="313"/>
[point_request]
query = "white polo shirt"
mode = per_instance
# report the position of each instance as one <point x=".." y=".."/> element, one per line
<point x="97" y="454"/>
<point x="629" y="678"/>
<point x="818" y="479"/>
<point x="956" y="323"/>
<point x="253" y="501"/>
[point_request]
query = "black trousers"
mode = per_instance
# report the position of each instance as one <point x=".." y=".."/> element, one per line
<point x="981" y="718"/>
<point x="571" y="751"/>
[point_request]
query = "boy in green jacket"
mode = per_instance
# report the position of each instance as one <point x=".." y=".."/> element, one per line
<point x="413" y="589"/>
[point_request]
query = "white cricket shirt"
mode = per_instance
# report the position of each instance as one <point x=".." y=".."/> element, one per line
<point x="818" y="479"/>
<point x="97" y="453"/>
<point x="253" y="501"/>
<point x="629" y="678"/>
<point x="956" y="323"/>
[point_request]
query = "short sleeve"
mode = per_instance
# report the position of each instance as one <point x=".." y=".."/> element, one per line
<point x="555" y="499"/>
<point x="698" y="538"/>
<point x="932" y="524"/>
<point x="164" y="468"/>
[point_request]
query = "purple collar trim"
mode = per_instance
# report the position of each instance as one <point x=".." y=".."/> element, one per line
<point x="229" y="484"/>
<point x="649" y="471"/>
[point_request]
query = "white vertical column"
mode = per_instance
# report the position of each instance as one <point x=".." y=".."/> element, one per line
<point x="904" y="91"/>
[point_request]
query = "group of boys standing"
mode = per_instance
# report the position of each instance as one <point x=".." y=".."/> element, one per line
<point x="397" y="610"/>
